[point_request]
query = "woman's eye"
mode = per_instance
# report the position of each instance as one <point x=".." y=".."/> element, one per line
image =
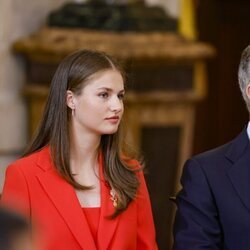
<point x="103" y="95"/>
<point x="121" y="96"/>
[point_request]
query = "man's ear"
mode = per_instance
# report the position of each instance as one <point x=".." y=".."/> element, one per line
<point x="70" y="99"/>
<point x="248" y="91"/>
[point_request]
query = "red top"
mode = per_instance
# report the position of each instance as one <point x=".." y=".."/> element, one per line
<point x="92" y="215"/>
<point x="33" y="180"/>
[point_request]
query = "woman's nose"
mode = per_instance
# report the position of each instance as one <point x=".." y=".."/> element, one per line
<point x="116" y="104"/>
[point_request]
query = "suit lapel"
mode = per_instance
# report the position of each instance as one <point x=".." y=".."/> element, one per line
<point x="63" y="196"/>
<point x="239" y="172"/>
<point x="239" y="175"/>
<point x="107" y="227"/>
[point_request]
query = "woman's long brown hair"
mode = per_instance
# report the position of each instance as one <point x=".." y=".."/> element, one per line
<point x="72" y="74"/>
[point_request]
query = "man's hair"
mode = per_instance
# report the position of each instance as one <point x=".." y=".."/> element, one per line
<point x="244" y="74"/>
<point x="12" y="225"/>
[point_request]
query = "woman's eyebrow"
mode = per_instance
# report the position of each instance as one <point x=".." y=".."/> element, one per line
<point x="109" y="89"/>
<point x="105" y="88"/>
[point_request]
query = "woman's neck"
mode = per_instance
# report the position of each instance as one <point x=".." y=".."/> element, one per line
<point x="83" y="152"/>
<point x="84" y="166"/>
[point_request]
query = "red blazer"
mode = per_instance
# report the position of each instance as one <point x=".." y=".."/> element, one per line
<point x="33" y="185"/>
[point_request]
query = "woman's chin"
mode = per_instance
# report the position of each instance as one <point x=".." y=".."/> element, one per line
<point x="110" y="131"/>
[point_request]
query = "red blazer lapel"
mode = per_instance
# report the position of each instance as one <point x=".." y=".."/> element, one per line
<point x="107" y="227"/>
<point x="63" y="196"/>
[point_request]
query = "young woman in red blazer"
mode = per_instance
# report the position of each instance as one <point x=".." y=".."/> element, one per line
<point x="75" y="180"/>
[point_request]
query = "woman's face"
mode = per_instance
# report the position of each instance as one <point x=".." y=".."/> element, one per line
<point x="99" y="107"/>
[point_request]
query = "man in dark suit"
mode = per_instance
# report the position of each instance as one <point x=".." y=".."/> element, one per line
<point x="214" y="203"/>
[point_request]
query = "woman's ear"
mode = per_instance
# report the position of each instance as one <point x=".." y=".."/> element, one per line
<point x="70" y="99"/>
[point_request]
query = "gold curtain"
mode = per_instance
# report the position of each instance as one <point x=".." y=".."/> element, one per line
<point x="187" y="22"/>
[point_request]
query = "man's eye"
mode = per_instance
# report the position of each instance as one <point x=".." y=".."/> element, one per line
<point x="103" y="95"/>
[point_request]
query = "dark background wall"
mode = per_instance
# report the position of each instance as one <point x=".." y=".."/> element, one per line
<point x="226" y="25"/>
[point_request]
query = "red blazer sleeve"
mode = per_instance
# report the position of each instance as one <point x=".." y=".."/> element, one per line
<point x="146" y="230"/>
<point x="15" y="190"/>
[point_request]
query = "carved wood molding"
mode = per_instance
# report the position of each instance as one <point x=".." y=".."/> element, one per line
<point x="52" y="44"/>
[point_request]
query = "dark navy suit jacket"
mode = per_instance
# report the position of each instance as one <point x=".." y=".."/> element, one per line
<point x="214" y="203"/>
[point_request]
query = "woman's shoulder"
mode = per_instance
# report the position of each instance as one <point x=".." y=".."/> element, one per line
<point x="27" y="163"/>
<point x="135" y="166"/>
<point x="132" y="163"/>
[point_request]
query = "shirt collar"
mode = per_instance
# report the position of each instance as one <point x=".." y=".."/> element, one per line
<point x="248" y="130"/>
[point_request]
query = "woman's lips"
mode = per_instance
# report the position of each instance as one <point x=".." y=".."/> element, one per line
<point x="113" y="119"/>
